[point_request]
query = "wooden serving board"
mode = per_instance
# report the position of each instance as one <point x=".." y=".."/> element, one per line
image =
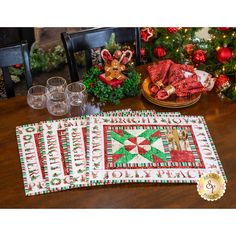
<point x="172" y="102"/>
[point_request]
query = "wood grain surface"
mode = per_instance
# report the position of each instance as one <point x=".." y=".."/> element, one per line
<point x="220" y="116"/>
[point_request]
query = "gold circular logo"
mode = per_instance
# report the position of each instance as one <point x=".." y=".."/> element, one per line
<point x="211" y="186"/>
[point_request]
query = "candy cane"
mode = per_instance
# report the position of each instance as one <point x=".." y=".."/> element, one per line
<point x="108" y="53"/>
<point x="124" y="54"/>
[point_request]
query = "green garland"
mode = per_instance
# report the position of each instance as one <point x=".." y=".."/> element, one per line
<point x="129" y="88"/>
<point x="42" y="61"/>
<point x="45" y="61"/>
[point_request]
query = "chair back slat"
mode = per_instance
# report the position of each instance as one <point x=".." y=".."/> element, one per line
<point x="26" y="62"/>
<point x="95" y="38"/>
<point x="8" y="82"/>
<point x="12" y="55"/>
<point x="88" y="59"/>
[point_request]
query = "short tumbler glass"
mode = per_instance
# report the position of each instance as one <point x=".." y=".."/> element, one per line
<point x="77" y="96"/>
<point x="56" y="84"/>
<point x="57" y="102"/>
<point x="37" y="97"/>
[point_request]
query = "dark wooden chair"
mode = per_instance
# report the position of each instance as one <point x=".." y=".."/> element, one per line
<point x="95" y="38"/>
<point x="12" y="55"/>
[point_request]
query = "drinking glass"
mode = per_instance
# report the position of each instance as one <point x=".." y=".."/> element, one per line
<point x="77" y="96"/>
<point x="37" y="97"/>
<point x="57" y="84"/>
<point x="57" y="102"/>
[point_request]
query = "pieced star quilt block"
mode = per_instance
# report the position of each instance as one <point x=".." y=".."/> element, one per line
<point x="136" y="147"/>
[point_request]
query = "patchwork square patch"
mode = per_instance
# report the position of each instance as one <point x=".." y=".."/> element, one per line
<point x="150" y="146"/>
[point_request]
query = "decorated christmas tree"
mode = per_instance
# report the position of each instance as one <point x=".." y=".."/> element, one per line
<point x="220" y="49"/>
<point x="172" y="43"/>
<point x="221" y="62"/>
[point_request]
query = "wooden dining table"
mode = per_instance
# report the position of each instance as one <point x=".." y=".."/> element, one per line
<point x="219" y="113"/>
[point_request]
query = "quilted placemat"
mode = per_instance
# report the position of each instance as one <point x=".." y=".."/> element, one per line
<point x="150" y="149"/>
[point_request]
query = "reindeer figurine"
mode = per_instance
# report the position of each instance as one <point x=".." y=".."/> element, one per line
<point x="115" y="65"/>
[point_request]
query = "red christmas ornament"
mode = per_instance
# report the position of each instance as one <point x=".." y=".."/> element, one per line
<point x="117" y="54"/>
<point x="222" y="83"/>
<point x="172" y="29"/>
<point x="199" y="56"/>
<point x="223" y="28"/>
<point x="159" y="52"/>
<point x="18" y="66"/>
<point x="188" y="48"/>
<point x="224" y="54"/>
<point x="147" y="33"/>
<point x="142" y="52"/>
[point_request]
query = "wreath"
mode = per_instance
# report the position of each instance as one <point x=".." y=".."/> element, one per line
<point x="116" y="79"/>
